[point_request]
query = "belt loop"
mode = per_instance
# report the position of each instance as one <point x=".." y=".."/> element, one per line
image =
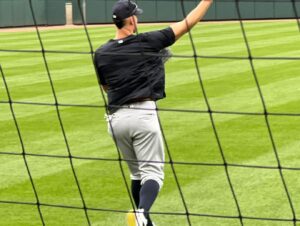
<point x="109" y="118"/>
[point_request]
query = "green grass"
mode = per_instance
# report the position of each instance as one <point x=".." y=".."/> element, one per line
<point x="229" y="85"/>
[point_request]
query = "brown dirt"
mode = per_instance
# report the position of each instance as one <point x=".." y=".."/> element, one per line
<point x="42" y="28"/>
<point x="45" y="28"/>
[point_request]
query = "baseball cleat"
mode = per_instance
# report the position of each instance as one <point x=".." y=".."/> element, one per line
<point x="136" y="218"/>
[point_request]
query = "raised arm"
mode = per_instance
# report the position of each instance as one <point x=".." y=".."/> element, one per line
<point x="182" y="27"/>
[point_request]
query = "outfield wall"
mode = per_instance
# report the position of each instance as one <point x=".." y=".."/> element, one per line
<point x="14" y="13"/>
<point x="99" y="11"/>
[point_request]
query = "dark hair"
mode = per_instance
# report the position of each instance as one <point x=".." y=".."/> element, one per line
<point x="119" y="23"/>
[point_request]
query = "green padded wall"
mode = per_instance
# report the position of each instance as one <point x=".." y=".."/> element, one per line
<point x="247" y="9"/>
<point x="15" y="13"/>
<point x="166" y="10"/>
<point x="6" y="17"/>
<point x="225" y="10"/>
<point x="56" y="12"/>
<point x="76" y="13"/>
<point x="151" y="12"/>
<point x="99" y="11"/>
<point x="265" y="9"/>
<point x="52" y="12"/>
<point x="108" y="6"/>
<point x="188" y="6"/>
<point x="283" y="8"/>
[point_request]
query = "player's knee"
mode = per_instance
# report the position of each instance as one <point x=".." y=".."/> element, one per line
<point x="135" y="177"/>
<point x="158" y="179"/>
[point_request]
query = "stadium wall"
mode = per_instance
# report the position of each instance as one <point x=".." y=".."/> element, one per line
<point x="99" y="11"/>
<point x="15" y="13"/>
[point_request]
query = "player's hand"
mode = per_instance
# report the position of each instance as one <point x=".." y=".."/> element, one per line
<point x="182" y="27"/>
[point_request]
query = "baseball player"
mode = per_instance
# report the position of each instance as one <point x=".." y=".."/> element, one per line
<point x="131" y="70"/>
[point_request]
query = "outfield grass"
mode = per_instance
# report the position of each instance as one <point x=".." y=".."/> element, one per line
<point x="229" y="85"/>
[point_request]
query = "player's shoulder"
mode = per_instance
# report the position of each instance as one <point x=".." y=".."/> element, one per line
<point x="104" y="47"/>
<point x="158" y="32"/>
<point x="161" y="35"/>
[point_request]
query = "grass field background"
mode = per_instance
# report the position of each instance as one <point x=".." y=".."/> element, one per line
<point x="229" y="85"/>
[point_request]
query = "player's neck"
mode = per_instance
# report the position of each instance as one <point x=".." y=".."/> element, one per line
<point x="123" y="33"/>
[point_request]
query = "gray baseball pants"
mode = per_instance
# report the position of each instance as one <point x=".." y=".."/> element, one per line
<point x="137" y="133"/>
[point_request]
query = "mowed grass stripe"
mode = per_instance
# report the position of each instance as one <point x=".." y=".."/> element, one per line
<point x="86" y="82"/>
<point x="84" y="67"/>
<point x="250" y="25"/>
<point x="70" y="35"/>
<point x="188" y="78"/>
<point x="237" y="48"/>
<point x="87" y="85"/>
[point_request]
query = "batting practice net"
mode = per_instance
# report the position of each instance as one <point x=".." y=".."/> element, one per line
<point x="188" y="213"/>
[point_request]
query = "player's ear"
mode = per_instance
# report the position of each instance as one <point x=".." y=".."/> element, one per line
<point x="131" y="20"/>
